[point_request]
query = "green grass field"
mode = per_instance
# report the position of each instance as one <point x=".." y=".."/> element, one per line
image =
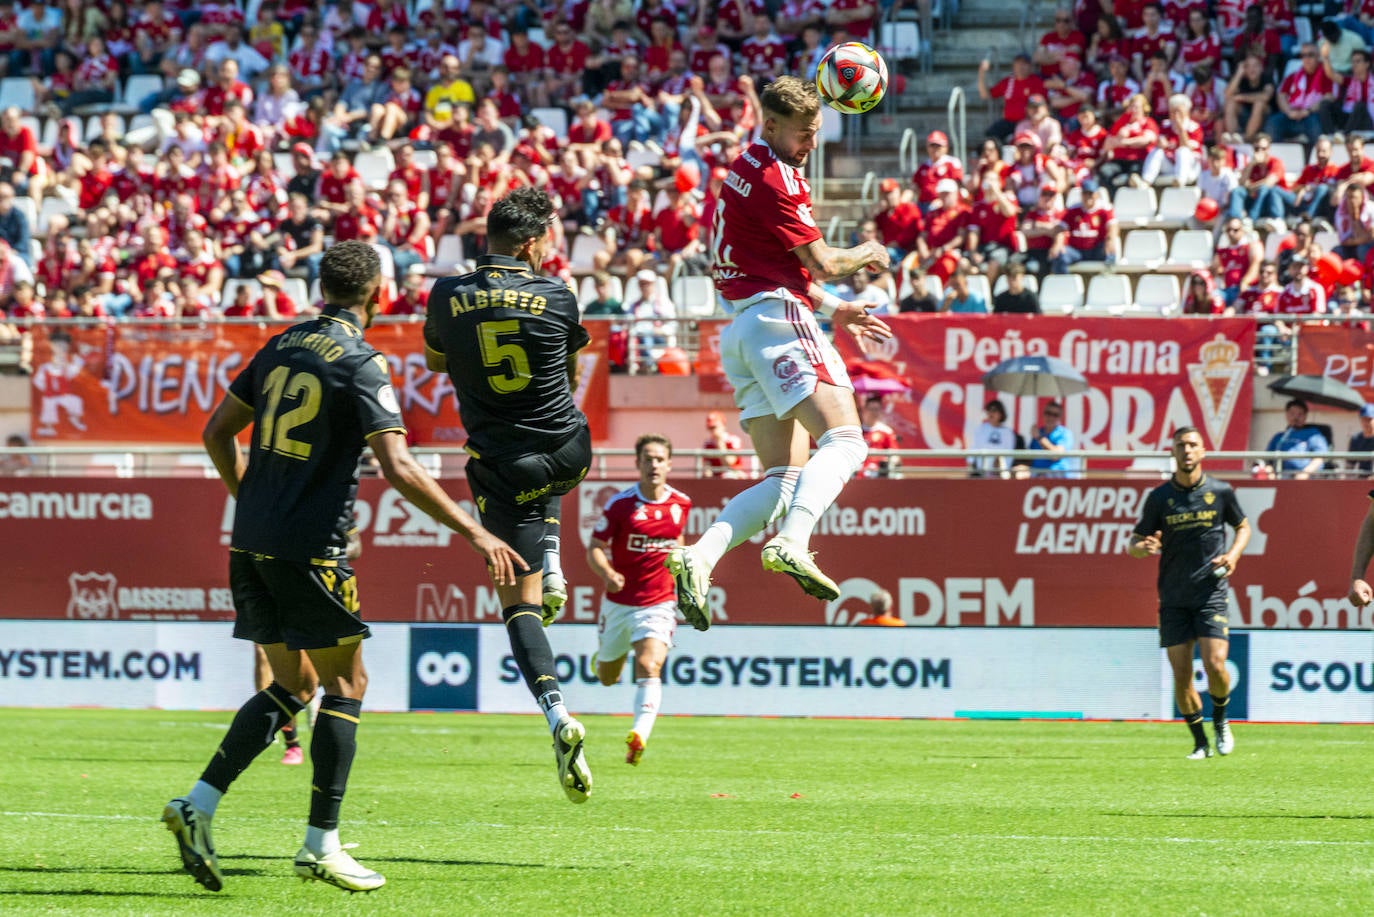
<point x="463" y="815"/>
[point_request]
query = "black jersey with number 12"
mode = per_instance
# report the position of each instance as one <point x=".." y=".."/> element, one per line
<point x="318" y="391"/>
<point x="505" y="334"/>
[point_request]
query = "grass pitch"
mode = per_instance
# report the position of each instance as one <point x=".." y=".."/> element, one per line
<point x="463" y="815"/>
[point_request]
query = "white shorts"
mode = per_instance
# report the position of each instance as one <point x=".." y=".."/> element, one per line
<point x="774" y="354"/>
<point x="622" y="626"/>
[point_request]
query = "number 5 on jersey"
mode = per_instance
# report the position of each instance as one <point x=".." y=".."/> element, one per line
<point x="508" y="356"/>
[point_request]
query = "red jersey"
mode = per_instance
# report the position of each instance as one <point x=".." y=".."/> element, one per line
<point x="878" y="436"/>
<point x="860" y="29"/>
<point x="764" y="55"/>
<point x="993" y="226"/>
<point x="640" y="533"/>
<point x="1259" y="300"/>
<point x="531" y="61"/>
<point x="763" y="213"/>
<point x="416" y="180"/>
<point x="1014" y="93"/>
<point x="1145" y="44"/>
<point x="409" y="302"/>
<point x="598" y="132"/>
<point x="1083" y="145"/>
<point x="931" y="173"/>
<point x="1235" y="261"/>
<point x="334" y="190"/>
<point x="310" y="65"/>
<point x="1127" y="129"/>
<point x="699" y="57"/>
<point x="357" y="224"/>
<point x="1350" y="168"/>
<point x="1195" y="51"/>
<point x="675" y="230"/>
<point x="216" y="96"/>
<point x="1114" y="95"/>
<point x="12" y="146"/>
<point x="1305" y="90"/>
<point x="1088" y="227"/>
<point x="900" y="226"/>
<point x="1257" y="171"/>
<point x="1304" y="298"/>
<point x="1073" y="44"/>
<point x="94" y="185"/>
<point x="1317" y="175"/>
<point x="944" y="224"/>
<point x="1041" y="218"/>
<point x="570" y="61"/>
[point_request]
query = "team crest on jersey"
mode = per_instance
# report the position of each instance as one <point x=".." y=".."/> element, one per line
<point x="93" y="596"/>
<point x="1209" y="498"/>
<point x="1217" y="382"/>
<point x="675" y="511"/>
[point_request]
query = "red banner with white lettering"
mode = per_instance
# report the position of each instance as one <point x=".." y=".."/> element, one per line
<point x="1147" y="377"/>
<point x="117" y="383"/>
<point x="1342" y="352"/>
<point x="953" y="553"/>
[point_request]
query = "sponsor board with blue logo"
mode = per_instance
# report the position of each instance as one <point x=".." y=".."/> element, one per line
<point x="443" y="668"/>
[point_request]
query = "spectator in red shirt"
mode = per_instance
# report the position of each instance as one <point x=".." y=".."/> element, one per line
<point x="1300" y="97"/>
<point x="879" y="436"/>
<point x="564" y="64"/>
<point x="718" y="437"/>
<point x="1236" y="260"/>
<point x="1061" y="42"/>
<point x="1264" y="184"/>
<point x="1069" y="90"/>
<point x="27" y="171"/>
<point x="899" y="221"/>
<point x="1314" y="184"/>
<point x="992" y="238"/>
<point x="1043" y="228"/>
<point x="1263" y="296"/>
<point x="1014" y="91"/>
<point x="1201" y="298"/>
<point x="1179" y="153"/>
<point x="938" y="165"/>
<point x="1091" y="232"/>
<point x="945" y="224"/>
<point x="1129" y="141"/>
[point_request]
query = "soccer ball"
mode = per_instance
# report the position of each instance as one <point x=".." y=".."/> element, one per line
<point x="852" y="78"/>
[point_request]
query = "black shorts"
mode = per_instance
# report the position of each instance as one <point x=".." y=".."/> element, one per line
<point x="512" y="495"/>
<point x="306" y="606"/>
<point x="1181" y="625"/>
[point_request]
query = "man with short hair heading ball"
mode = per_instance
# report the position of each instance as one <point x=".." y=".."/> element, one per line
<point x="1184" y="521"/>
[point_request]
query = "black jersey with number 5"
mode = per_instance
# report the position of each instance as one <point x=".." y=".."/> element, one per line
<point x="318" y="391"/>
<point x="505" y="334"/>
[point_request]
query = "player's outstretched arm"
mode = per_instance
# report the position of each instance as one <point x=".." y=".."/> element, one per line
<point x="853" y="317"/>
<point x="826" y="263"/>
<point x="405" y="474"/>
<point x="219" y="437"/>
<point x="1361" y="593"/>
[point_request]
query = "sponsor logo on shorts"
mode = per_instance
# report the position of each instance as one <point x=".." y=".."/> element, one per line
<point x="443" y="668"/>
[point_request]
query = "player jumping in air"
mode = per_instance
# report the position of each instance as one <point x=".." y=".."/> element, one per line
<point x="314" y="395"/>
<point x="508" y="338"/>
<point x="637" y="528"/>
<point x="790" y="384"/>
<point x="1184" y="521"/>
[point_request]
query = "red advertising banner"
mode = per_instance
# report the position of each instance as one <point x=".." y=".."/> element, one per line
<point x="1343" y="352"/>
<point x="116" y="383"/>
<point x="1147" y="376"/>
<point x="953" y="553"/>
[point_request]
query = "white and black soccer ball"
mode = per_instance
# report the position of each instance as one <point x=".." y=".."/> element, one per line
<point x="852" y="78"/>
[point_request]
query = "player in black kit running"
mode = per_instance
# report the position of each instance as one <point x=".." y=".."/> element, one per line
<point x="508" y="338"/>
<point x="1184" y="521"/>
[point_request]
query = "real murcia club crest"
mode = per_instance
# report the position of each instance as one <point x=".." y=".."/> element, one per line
<point x="1217" y="382"/>
<point x="92" y="597"/>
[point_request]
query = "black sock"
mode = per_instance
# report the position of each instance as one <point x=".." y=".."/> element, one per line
<point x="1194" y="721"/>
<point x="290" y="735"/>
<point x="333" y="742"/>
<point x="529" y="643"/>
<point x="1219" y="709"/>
<point x="253" y="729"/>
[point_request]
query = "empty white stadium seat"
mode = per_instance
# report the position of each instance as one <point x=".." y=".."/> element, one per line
<point x="1143" y="250"/>
<point x="448" y="257"/>
<point x="1108" y="294"/>
<point x="694" y="295"/>
<point x="1135" y="206"/>
<point x="1156" y="294"/>
<point x="900" y="40"/>
<point x="1061" y="294"/>
<point x="977" y="283"/>
<point x="1291" y="155"/>
<point x="17" y="91"/>
<point x="1177" y="205"/>
<point x="374" y="167"/>
<point x="1190" y="250"/>
<point x="231" y="289"/>
<point x="139" y="86"/>
<point x="555" y="119"/>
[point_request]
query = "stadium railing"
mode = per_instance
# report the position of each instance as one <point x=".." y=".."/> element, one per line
<point x="619" y="463"/>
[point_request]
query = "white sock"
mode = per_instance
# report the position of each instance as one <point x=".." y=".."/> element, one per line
<point x="205" y="797"/>
<point x="839" y="455"/>
<point x="555" y="714"/>
<point x="648" y="697"/>
<point x="322" y="842"/>
<point x="747" y="513"/>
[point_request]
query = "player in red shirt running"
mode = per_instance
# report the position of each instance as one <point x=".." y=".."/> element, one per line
<point x="769" y="260"/>
<point x="637" y="529"/>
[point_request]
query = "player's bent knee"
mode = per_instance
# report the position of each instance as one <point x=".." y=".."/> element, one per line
<point x="848" y="442"/>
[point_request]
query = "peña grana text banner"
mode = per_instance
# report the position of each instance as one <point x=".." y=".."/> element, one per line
<point x="953" y="553"/>
<point x="1147" y="376"/>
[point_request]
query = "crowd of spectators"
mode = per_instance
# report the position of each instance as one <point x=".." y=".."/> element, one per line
<point x="1176" y="94"/>
<point x="170" y="148"/>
